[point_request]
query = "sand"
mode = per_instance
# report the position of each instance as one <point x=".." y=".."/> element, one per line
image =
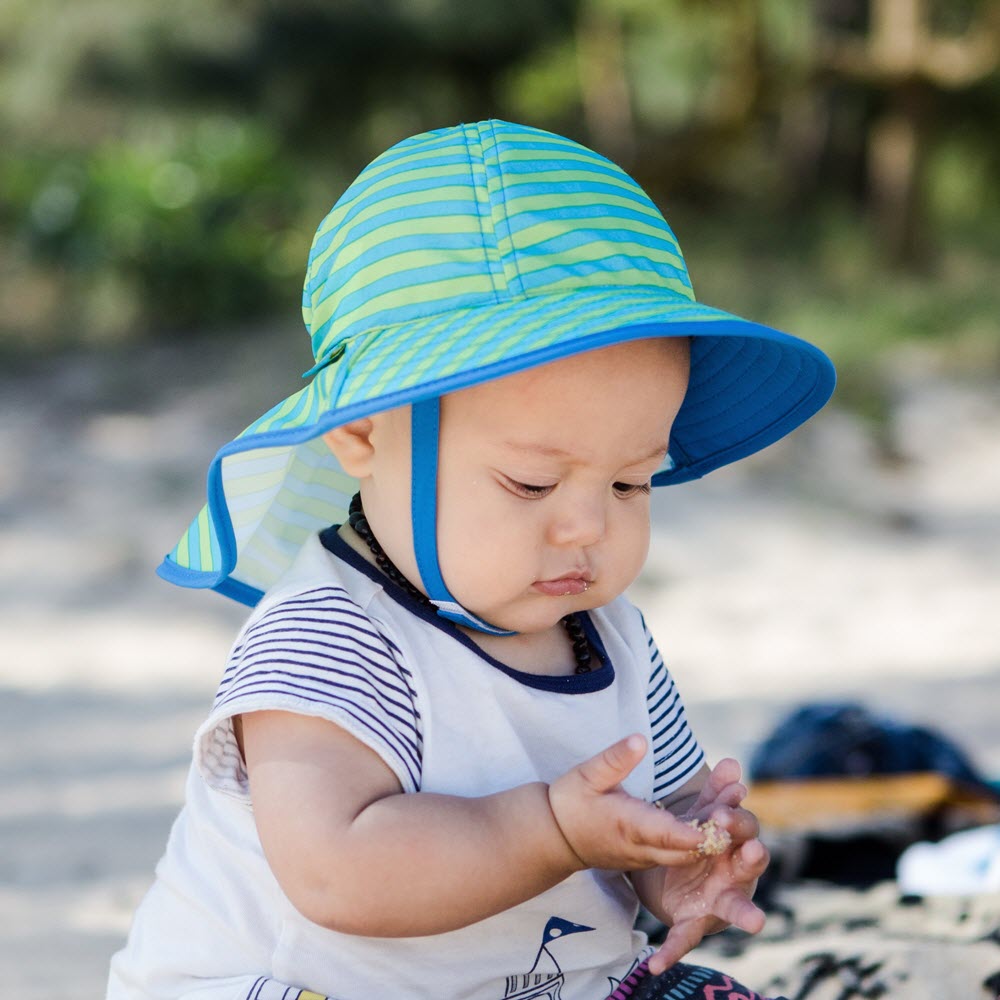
<point x="830" y="566"/>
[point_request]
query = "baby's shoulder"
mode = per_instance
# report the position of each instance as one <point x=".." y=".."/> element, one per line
<point x="322" y="612"/>
<point x="320" y="584"/>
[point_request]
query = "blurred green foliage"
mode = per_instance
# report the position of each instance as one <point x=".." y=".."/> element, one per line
<point x="178" y="230"/>
<point x="828" y="169"/>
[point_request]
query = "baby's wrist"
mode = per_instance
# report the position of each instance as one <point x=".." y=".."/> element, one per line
<point x="566" y="853"/>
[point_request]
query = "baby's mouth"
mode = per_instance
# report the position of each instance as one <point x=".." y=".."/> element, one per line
<point x="564" y="586"/>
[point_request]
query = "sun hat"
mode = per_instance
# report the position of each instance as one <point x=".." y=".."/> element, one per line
<point x="458" y="256"/>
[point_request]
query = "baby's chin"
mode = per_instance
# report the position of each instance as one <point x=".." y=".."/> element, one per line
<point x="543" y="616"/>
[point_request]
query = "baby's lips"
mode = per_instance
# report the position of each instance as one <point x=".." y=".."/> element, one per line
<point x="567" y="586"/>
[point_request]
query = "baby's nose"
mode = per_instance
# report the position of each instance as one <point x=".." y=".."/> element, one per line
<point x="579" y="522"/>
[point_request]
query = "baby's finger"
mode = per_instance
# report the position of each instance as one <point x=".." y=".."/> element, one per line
<point x="725" y="773"/>
<point x="741" y="824"/>
<point x="680" y="939"/>
<point x="611" y="766"/>
<point x="659" y="837"/>
<point x="750" y="861"/>
<point x="736" y="909"/>
<point x="729" y="795"/>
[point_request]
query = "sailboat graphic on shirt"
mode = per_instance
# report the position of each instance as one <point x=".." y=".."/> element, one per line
<point x="544" y="980"/>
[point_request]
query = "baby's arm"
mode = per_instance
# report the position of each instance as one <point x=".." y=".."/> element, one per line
<point x="355" y="854"/>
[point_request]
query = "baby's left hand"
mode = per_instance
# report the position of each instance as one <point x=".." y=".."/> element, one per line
<point x="715" y="890"/>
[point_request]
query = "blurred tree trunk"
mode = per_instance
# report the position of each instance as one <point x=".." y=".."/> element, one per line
<point x="604" y="86"/>
<point x="906" y="63"/>
<point x="687" y="153"/>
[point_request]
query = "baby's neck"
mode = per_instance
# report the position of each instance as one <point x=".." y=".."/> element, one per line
<point x="354" y="541"/>
<point x="547" y="653"/>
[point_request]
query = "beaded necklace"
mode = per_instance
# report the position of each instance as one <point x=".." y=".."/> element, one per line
<point x="357" y="520"/>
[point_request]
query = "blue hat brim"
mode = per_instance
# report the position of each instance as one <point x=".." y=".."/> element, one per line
<point x="750" y="385"/>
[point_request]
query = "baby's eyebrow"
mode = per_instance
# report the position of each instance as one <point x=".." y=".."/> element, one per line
<point x="659" y="453"/>
<point x="550" y="451"/>
<point x="539" y="449"/>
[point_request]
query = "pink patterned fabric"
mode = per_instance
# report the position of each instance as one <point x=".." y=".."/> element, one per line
<point x="627" y="986"/>
<point x="682" y="982"/>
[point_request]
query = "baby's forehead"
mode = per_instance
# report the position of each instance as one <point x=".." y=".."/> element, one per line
<point x="633" y="389"/>
<point x="590" y="370"/>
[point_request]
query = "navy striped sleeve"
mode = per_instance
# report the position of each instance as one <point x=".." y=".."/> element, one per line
<point x="318" y="654"/>
<point x="676" y="753"/>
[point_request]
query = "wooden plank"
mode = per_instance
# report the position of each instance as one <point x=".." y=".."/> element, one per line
<point x="824" y="803"/>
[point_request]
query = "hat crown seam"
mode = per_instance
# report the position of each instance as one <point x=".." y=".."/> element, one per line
<point x="499" y="214"/>
<point x="340" y="311"/>
<point x="480" y="185"/>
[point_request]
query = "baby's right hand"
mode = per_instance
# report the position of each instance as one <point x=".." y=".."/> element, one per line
<point x="605" y="827"/>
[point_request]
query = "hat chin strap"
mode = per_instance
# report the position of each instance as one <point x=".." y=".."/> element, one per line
<point x="425" y="421"/>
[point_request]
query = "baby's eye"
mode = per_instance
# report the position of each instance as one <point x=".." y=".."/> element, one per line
<point x="528" y="490"/>
<point x="630" y="489"/>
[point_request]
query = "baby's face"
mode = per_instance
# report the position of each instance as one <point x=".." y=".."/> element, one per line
<point x="543" y="482"/>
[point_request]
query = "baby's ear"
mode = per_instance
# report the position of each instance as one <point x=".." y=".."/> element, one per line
<point x="352" y="444"/>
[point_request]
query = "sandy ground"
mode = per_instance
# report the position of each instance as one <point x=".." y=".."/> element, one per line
<point x="825" y="568"/>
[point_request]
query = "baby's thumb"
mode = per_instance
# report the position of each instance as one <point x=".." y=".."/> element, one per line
<point x="611" y="766"/>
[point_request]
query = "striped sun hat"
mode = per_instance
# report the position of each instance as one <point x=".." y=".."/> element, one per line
<point x="462" y="255"/>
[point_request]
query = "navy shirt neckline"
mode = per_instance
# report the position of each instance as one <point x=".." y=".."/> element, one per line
<point x="594" y="680"/>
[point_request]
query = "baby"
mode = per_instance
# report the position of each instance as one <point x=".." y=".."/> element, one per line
<point x="446" y="758"/>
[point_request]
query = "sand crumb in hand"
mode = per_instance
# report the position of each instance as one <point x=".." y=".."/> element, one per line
<point x="716" y="840"/>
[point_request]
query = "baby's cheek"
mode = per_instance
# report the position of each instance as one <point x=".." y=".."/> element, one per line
<point x="629" y="558"/>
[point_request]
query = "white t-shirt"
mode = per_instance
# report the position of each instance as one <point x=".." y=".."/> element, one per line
<point x="334" y="639"/>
